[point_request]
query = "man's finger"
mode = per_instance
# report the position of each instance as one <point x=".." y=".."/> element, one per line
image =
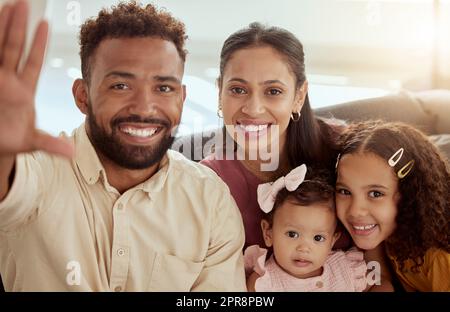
<point x="5" y="17"/>
<point x="32" y="68"/>
<point x="53" y="145"/>
<point x="16" y="35"/>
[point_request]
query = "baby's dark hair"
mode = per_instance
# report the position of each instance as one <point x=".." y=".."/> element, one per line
<point x="423" y="210"/>
<point x="318" y="187"/>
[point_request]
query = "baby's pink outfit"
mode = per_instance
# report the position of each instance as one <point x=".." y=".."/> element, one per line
<point x="342" y="271"/>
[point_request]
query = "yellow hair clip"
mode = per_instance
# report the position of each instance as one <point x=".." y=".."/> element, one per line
<point x="405" y="169"/>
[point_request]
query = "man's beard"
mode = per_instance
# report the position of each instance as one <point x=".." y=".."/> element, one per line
<point x="126" y="155"/>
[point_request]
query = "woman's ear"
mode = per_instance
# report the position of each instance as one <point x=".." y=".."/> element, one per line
<point x="80" y="94"/>
<point x="300" y="97"/>
<point x="267" y="232"/>
<point x="219" y="87"/>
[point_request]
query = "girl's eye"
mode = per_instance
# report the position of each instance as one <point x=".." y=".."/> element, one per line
<point x="238" y="90"/>
<point x="274" y="92"/>
<point x="120" y="86"/>
<point x="292" y="234"/>
<point x="343" y="192"/>
<point x="319" y="238"/>
<point x="165" y="89"/>
<point x="375" y="194"/>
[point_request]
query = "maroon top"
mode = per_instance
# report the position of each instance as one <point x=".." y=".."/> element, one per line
<point x="243" y="185"/>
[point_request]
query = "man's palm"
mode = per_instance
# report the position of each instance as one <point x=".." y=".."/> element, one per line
<point x="18" y="132"/>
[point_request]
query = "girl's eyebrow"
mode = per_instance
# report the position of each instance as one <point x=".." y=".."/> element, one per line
<point x="377" y="186"/>
<point x="338" y="183"/>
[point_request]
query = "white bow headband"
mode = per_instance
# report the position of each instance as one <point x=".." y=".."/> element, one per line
<point x="267" y="192"/>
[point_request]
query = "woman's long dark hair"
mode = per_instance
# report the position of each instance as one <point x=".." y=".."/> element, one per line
<point x="310" y="140"/>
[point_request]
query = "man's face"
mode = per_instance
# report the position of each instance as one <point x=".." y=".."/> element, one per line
<point x="134" y="100"/>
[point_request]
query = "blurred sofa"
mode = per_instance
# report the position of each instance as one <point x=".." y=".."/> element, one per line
<point x="428" y="111"/>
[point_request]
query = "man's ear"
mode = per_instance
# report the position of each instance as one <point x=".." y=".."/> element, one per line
<point x="80" y="94"/>
<point x="267" y="232"/>
<point x="300" y="97"/>
<point x="184" y="93"/>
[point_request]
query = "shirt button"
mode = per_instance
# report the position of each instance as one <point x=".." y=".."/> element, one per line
<point x="118" y="289"/>
<point x="120" y="206"/>
<point x="319" y="284"/>
<point x="120" y="252"/>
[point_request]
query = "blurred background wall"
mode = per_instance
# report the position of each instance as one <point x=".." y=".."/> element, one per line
<point x="354" y="49"/>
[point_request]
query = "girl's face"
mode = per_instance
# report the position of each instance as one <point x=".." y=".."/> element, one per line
<point x="366" y="198"/>
<point x="258" y="95"/>
<point x="302" y="237"/>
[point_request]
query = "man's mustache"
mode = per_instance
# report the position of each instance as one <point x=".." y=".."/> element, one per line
<point x="138" y="119"/>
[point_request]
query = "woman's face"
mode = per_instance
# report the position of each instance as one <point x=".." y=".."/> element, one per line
<point x="366" y="198"/>
<point x="258" y="95"/>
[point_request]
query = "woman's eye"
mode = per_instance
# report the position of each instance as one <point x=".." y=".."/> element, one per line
<point x="319" y="238"/>
<point x="292" y="234"/>
<point x="343" y="192"/>
<point x="120" y="86"/>
<point x="274" y="92"/>
<point x="375" y="194"/>
<point x="238" y="90"/>
<point x="165" y="89"/>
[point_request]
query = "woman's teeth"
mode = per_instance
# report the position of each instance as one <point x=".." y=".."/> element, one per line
<point x="142" y="133"/>
<point x="253" y="128"/>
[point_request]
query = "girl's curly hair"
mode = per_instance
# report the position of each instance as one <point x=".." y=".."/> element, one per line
<point x="129" y="20"/>
<point x="423" y="211"/>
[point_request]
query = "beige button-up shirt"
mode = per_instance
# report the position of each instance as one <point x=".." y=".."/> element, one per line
<point x="63" y="227"/>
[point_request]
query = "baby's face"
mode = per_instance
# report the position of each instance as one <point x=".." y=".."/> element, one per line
<point x="302" y="237"/>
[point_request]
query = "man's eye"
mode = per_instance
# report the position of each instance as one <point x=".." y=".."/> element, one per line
<point x="319" y="238"/>
<point x="375" y="194"/>
<point x="165" y="89"/>
<point x="238" y="90"/>
<point x="292" y="234"/>
<point x="120" y="86"/>
<point x="274" y="92"/>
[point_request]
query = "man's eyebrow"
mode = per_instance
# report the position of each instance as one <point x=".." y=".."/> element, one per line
<point x="120" y="74"/>
<point x="167" y="79"/>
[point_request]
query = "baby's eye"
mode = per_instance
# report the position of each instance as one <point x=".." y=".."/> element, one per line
<point x="292" y="234"/>
<point x="343" y="192"/>
<point x="238" y="90"/>
<point x="319" y="238"/>
<point x="375" y="194"/>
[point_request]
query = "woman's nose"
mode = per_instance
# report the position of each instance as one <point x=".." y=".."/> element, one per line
<point x="253" y="106"/>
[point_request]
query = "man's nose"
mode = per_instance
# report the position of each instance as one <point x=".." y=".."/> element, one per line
<point x="144" y="102"/>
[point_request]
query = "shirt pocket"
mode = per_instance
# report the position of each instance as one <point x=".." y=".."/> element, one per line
<point x="172" y="273"/>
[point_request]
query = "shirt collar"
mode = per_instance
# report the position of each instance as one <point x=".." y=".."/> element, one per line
<point x="86" y="157"/>
<point x="90" y="166"/>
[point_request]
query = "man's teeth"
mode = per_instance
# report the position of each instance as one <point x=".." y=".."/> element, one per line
<point x="364" y="227"/>
<point x="253" y="128"/>
<point x="143" y="133"/>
